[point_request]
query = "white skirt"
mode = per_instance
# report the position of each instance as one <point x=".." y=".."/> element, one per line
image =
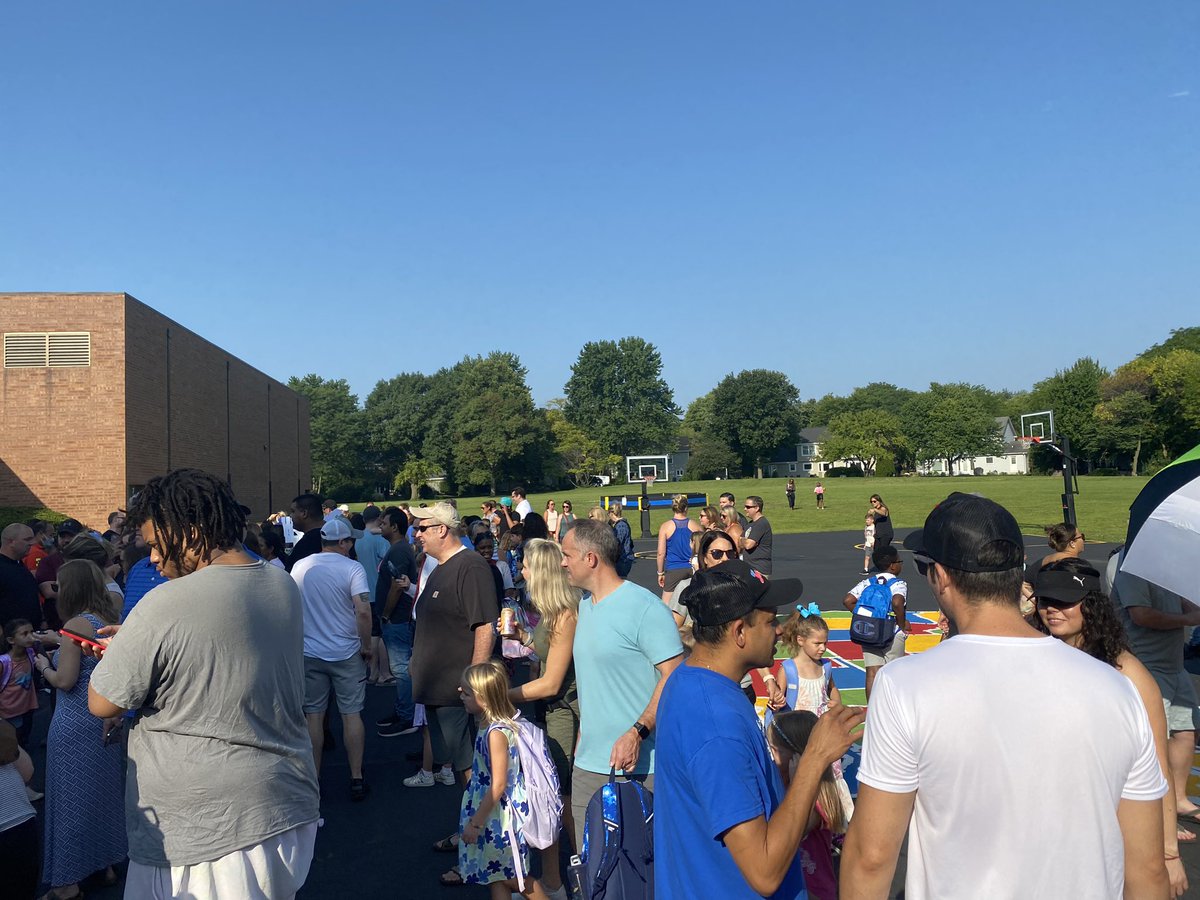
<point x="273" y="870"/>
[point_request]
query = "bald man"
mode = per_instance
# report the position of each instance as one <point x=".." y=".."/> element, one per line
<point x="18" y="587"/>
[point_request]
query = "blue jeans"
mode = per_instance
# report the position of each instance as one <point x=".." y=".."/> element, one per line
<point x="398" y="639"/>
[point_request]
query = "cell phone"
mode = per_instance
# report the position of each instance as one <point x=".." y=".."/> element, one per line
<point x="80" y="639"/>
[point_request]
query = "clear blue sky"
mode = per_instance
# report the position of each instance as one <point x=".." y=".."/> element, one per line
<point x="846" y="192"/>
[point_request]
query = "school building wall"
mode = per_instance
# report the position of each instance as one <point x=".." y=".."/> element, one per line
<point x="167" y="398"/>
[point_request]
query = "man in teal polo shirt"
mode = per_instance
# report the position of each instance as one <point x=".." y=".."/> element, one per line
<point x="626" y="646"/>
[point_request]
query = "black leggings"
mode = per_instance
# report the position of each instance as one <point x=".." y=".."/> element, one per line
<point x="21" y="859"/>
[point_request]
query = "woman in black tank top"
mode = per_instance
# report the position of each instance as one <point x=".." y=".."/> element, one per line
<point x="884" y="535"/>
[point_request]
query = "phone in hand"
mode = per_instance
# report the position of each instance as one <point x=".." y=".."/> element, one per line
<point x="80" y="639"/>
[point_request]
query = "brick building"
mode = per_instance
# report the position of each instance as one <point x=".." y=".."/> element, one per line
<point x="99" y="393"/>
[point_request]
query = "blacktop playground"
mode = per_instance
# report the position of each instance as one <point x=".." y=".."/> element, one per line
<point x="382" y="847"/>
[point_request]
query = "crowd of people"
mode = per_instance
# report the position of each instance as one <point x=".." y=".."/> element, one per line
<point x="194" y="656"/>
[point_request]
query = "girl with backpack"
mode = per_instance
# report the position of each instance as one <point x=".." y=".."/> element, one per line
<point x="787" y="737"/>
<point x="806" y="677"/>
<point x="18" y="688"/>
<point x="491" y="848"/>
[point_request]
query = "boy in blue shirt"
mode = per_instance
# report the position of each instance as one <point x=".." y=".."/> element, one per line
<point x="723" y="824"/>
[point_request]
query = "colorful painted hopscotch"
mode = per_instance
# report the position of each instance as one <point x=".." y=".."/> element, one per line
<point x="849" y="673"/>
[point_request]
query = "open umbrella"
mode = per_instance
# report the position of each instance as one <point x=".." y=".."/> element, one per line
<point x="1164" y="528"/>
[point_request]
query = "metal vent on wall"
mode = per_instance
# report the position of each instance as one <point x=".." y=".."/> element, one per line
<point x="56" y="349"/>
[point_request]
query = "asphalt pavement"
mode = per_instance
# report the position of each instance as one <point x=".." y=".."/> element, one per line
<point x="382" y="846"/>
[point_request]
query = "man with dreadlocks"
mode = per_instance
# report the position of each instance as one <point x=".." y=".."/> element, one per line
<point x="222" y="798"/>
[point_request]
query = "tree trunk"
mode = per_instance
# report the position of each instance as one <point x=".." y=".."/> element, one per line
<point x="1137" y="451"/>
<point x="415" y="491"/>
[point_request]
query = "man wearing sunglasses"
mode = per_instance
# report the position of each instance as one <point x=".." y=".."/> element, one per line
<point x="997" y="735"/>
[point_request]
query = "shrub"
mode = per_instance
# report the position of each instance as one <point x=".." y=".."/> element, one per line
<point x="844" y="472"/>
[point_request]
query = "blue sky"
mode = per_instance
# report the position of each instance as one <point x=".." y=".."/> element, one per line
<point x="847" y="192"/>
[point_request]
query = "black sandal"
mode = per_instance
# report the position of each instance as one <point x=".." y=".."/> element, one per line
<point x="447" y="845"/>
<point x="451" y="879"/>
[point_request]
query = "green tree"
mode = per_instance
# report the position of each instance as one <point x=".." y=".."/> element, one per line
<point x="755" y="414"/>
<point x="396" y="415"/>
<point x="336" y="425"/>
<point x="413" y="474"/>
<point x="1125" y="415"/>
<point x="877" y="395"/>
<point x="492" y="419"/>
<point x="617" y="395"/>
<point x="1180" y="339"/>
<point x="1073" y="394"/>
<point x="951" y="422"/>
<point x="1175" y="382"/>
<point x="699" y="416"/>
<point x="579" y="457"/>
<point x="709" y="456"/>
<point x="865" y="438"/>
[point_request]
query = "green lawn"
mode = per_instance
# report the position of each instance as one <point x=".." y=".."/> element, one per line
<point x="1102" y="504"/>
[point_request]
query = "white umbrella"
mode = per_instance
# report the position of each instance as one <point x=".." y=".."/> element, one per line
<point x="1164" y="529"/>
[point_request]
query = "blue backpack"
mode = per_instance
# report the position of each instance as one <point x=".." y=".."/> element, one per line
<point x="792" y="676"/>
<point x="871" y="624"/>
<point x="617" y="859"/>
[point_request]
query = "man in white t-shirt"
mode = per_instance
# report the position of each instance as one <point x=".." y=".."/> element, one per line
<point x="887" y="560"/>
<point x="337" y="642"/>
<point x="1019" y="765"/>
<point x="520" y="504"/>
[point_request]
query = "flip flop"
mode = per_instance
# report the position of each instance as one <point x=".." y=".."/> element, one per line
<point x="1183" y="836"/>
<point x="1192" y="817"/>
<point x="447" y="845"/>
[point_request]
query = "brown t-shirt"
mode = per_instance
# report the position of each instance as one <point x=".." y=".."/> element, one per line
<point x="458" y="597"/>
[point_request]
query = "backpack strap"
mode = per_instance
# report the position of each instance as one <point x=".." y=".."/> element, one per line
<point x="792" y="688"/>
<point x="827" y="665"/>
<point x="610" y="807"/>
<point x="5" y="670"/>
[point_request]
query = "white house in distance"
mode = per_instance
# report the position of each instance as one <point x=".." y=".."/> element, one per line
<point x="1013" y="460"/>
<point x="801" y="460"/>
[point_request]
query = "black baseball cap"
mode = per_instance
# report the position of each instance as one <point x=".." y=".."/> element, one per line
<point x="731" y="590"/>
<point x="70" y="526"/>
<point x="1067" y="586"/>
<point x="969" y="533"/>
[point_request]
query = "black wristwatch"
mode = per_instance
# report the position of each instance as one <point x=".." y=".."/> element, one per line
<point x="642" y="731"/>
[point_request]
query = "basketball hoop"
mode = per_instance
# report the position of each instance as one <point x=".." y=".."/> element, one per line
<point x="649" y="479"/>
<point x="1030" y="440"/>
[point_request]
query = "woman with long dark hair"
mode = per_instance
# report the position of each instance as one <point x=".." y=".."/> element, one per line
<point x="884" y="533"/>
<point x="1073" y="608"/>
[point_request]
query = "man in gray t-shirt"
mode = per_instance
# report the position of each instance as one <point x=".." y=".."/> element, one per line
<point x="1155" y="620"/>
<point x="220" y="759"/>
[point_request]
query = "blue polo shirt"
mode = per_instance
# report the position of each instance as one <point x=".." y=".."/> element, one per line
<point x="143" y="576"/>
<point x="714" y="772"/>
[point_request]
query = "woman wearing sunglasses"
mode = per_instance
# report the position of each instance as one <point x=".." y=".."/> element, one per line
<point x="1073" y="607"/>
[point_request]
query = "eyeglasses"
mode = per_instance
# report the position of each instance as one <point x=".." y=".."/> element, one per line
<point x="1053" y="603"/>
<point x="748" y="506"/>
<point x="720" y="554"/>
<point x="1079" y="537"/>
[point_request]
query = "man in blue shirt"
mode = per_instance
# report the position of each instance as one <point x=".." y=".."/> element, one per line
<point x="723" y="824"/>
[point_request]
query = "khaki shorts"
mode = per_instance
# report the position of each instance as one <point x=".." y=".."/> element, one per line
<point x="346" y="680"/>
<point x="1179" y="718"/>
<point x="874" y="658"/>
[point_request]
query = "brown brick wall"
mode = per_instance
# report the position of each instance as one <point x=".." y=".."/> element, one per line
<point x="218" y="413"/>
<point x="76" y="439"/>
<point x="62" y="434"/>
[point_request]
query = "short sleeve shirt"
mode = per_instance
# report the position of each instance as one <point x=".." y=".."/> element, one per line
<point x="370" y="549"/>
<point x="760" y="557"/>
<point x="618" y="643"/>
<point x="220" y="759"/>
<point x="328" y="584"/>
<point x="1159" y="650"/>
<point x="708" y="737"/>
<point x="399" y="560"/>
<point x="896" y="586"/>
<point x="457" y="598"/>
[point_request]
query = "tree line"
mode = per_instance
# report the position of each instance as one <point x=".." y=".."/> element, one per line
<point x="475" y="425"/>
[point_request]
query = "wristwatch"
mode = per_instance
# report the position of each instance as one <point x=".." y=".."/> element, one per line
<point x="642" y="731"/>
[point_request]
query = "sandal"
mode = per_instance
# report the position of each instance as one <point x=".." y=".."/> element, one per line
<point x="447" y="845"/>
<point x="451" y="879"/>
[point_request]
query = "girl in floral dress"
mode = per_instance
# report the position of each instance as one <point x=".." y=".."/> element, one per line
<point x="495" y="801"/>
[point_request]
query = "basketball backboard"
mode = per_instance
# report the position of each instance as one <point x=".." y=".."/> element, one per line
<point x="1038" y="425"/>
<point x="637" y="468"/>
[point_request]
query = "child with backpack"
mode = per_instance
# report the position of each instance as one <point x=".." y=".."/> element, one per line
<point x="492" y="846"/>
<point x="787" y="737"/>
<point x="18" y="690"/>
<point x="806" y="677"/>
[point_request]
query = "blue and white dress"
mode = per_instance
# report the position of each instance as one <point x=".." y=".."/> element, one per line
<point x="490" y="858"/>
<point x="85" y="787"/>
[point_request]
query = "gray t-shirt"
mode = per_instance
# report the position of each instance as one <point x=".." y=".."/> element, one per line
<point x="760" y="557"/>
<point x="219" y="758"/>
<point x="1160" y="651"/>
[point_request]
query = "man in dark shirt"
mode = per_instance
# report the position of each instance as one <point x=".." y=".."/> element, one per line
<point x="47" y="571"/>
<point x="757" y="540"/>
<point x="397" y="571"/>
<point x="455" y="618"/>
<point x="18" y="589"/>
<point x="307" y="516"/>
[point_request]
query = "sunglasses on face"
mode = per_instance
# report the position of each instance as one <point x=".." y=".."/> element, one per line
<point x="721" y="554"/>
<point x="423" y="528"/>
<point x="1052" y="603"/>
<point x="924" y="564"/>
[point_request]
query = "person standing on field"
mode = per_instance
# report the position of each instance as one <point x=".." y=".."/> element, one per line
<point x="675" y="547"/>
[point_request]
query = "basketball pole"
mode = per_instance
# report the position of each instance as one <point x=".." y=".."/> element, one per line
<point x="1068" y="497"/>
<point x="645" y="509"/>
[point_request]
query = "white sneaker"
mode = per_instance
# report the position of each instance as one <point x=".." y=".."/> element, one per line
<point x="444" y="776"/>
<point x="421" y="779"/>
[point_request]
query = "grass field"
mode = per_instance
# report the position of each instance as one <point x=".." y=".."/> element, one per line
<point x="1102" y="504"/>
